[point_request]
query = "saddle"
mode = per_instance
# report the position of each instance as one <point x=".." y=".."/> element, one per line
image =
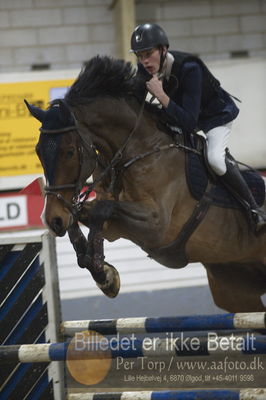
<point x="198" y="173"/>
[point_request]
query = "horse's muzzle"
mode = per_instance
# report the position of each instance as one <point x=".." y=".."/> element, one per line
<point x="58" y="226"/>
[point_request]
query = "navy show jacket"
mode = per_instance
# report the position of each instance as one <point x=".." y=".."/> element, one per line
<point x="192" y="106"/>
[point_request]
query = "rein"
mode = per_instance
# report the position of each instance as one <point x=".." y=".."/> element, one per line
<point x="118" y="156"/>
<point x="157" y="150"/>
<point x="78" y="200"/>
<point x="116" y="159"/>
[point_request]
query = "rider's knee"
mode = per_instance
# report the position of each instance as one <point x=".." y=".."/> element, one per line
<point x="217" y="163"/>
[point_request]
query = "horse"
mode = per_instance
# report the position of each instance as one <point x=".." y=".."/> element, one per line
<point x="102" y="129"/>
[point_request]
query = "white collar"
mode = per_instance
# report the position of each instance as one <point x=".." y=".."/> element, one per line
<point x="167" y="66"/>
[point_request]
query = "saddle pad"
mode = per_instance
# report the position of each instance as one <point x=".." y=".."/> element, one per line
<point x="197" y="179"/>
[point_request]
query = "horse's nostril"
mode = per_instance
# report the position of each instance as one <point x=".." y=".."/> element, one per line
<point x="57" y="225"/>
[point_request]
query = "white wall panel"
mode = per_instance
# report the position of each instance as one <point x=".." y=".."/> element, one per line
<point x="137" y="271"/>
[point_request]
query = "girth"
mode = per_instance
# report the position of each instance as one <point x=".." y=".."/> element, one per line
<point x="174" y="254"/>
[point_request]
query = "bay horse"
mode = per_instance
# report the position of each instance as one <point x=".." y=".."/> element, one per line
<point x="101" y="129"/>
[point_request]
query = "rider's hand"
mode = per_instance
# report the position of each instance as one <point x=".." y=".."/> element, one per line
<point x="155" y="87"/>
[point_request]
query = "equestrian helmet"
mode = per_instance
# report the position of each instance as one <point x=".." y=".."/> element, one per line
<point x="148" y="36"/>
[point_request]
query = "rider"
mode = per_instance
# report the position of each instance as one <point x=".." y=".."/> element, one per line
<point x="193" y="97"/>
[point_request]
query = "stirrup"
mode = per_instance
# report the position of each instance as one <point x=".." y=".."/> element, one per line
<point x="259" y="218"/>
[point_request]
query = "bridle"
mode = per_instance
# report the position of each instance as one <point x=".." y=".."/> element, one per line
<point x="75" y="205"/>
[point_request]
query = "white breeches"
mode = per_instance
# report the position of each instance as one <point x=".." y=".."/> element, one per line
<point x="217" y="141"/>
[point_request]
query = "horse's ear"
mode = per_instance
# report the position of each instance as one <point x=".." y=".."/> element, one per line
<point x="35" y="111"/>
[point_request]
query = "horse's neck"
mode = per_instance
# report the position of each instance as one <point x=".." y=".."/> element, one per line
<point x="109" y="123"/>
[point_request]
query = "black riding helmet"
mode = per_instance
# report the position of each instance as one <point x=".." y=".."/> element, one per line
<point x="148" y="36"/>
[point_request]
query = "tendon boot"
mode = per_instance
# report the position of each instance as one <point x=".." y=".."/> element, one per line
<point x="237" y="185"/>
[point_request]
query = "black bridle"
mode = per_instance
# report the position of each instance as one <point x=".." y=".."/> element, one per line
<point x="75" y="205"/>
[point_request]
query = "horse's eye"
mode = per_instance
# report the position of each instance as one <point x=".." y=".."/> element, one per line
<point x="70" y="153"/>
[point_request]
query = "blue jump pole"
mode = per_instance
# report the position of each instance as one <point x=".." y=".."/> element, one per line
<point x="243" y="394"/>
<point x="133" y="348"/>
<point x="168" y="324"/>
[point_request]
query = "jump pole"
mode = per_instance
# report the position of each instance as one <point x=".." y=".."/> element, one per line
<point x="236" y="321"/>
<point x="248" y="344"/>
<point x="243" y="394"/>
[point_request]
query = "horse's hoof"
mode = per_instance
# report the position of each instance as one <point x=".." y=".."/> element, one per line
<point x="112" y="284"/>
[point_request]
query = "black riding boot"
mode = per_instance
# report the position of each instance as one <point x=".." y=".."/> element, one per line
<point x="237" y="185"/>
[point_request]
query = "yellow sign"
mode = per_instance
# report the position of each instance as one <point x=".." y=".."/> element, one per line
<point x="18" y="129"/>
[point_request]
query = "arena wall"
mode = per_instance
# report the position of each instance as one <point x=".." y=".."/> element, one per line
<point x="63" y="34"/>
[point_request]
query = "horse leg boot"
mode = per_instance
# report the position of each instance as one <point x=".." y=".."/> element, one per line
<point x="104" y="274"/>
<point x="90" y="256"/>
<point x="80" y="244"/>
<point x="236" y="184"/>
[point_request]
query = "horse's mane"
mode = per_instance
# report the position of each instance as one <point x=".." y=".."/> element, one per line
<point x="102" y="76"/>
<point x="107" y="76"/>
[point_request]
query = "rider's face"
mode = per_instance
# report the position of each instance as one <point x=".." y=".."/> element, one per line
<point x="150" y="59"/>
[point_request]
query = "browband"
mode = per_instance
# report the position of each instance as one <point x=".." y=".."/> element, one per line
<point x="61" y="130"/>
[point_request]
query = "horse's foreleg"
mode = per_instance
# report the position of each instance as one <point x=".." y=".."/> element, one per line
<point x="134" y="220"/>
<point x="90" y="255"/>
